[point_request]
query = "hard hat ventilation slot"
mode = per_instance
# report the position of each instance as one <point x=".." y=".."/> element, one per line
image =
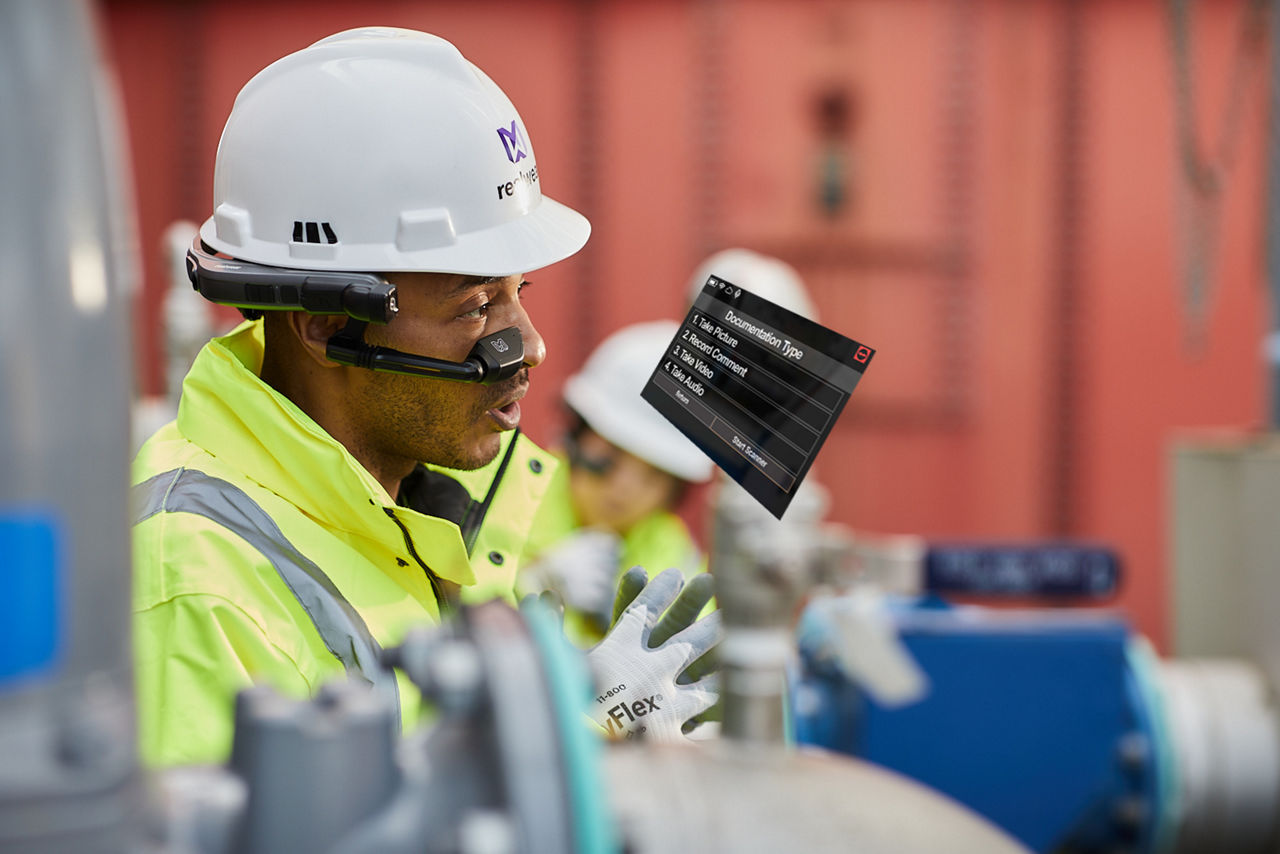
<point x="309" y="232"/>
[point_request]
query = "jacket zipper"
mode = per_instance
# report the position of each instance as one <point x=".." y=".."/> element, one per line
<point x="446" y="602"/>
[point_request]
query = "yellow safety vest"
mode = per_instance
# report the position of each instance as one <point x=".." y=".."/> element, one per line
<point x="263" y="552"/>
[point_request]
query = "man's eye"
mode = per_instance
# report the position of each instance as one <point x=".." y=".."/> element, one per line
<point x="476" y="313"/>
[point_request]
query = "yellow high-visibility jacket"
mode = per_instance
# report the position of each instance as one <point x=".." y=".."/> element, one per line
<point x="263" y="552"/>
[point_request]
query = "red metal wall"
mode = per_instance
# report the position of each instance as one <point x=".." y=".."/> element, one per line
<point x="1009" y="238"/>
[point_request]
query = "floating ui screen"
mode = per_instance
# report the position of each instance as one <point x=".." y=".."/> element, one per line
<point x="756" y="387"/>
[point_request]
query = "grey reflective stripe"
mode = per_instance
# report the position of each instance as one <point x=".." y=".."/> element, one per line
<point x="340" y="626"/>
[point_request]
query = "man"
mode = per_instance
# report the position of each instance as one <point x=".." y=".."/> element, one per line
<point x="343" y="467"/>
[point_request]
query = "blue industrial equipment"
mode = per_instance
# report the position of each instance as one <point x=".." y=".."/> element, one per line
<point x="1044" y="721"/>
<point x="1066" y="569"/>
<point x="31" y="614"/>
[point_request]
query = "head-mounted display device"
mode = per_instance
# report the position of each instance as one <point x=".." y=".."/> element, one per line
<point x="363" y="297"/>
<point x="243" y="284"/>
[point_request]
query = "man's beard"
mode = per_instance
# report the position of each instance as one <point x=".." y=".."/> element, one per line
<point x="436" y="436"/>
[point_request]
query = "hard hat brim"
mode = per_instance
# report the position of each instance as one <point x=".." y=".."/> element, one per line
<point x="550" y="232"/>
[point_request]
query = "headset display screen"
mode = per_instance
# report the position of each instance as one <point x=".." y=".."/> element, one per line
<point x="756" y="387"/>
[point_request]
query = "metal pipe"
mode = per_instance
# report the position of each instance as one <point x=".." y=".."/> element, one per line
<point x="68" y="779"/>
<point x="763" y="568"/>
<point x="1272" y="238"/>
<point x="1224" y="733"/>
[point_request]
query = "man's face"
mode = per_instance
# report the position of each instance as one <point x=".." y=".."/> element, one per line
<point x="435" y="421"/>
<point x="614" y="489"/>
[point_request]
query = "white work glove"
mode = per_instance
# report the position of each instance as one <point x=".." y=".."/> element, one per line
<point x="582" y="570"/>
<point x="637" y="667"/>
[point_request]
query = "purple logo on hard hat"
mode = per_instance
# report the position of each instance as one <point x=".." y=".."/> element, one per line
<point x="513" y="141"/>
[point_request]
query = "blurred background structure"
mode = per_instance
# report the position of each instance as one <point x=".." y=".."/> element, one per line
<point x="1056" y="220"/>
<point x="1049" y="216"/>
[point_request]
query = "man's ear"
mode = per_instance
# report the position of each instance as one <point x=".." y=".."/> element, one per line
<point x="313" y="331"/>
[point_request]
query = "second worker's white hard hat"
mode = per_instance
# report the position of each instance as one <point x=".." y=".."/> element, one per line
<point x="606" y="393"/>
<point x="379" y="150"/>
<point x="763" y="275"/>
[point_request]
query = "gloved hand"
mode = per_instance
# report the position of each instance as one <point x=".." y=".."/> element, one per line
<point x="637" y="667"/>
<point x="581" y="570"/>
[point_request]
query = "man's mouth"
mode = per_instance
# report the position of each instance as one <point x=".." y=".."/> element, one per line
<point x="507" y="412"/>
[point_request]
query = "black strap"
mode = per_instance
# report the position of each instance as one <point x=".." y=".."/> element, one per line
<point x="476" y="513"/>
<point x="437" y="494"/>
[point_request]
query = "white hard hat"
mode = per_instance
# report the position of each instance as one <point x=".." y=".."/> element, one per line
<point x="383" y="149"/>
<point x="606" y="393"/>
<point x="771" y="278"/>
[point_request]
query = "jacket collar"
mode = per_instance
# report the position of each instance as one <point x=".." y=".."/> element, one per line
<point x="230" y="412"/>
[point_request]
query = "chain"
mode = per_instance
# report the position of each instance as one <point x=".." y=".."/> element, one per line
<point x="1203" y="172"/>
